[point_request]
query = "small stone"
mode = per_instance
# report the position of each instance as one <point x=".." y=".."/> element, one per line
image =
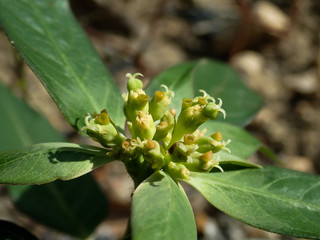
<point x="249" y="62"/>
<point x="271" y="18"/>
<point x="303" y="83"/>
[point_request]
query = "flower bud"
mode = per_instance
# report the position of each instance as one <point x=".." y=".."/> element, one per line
<point x="160" y="102"/>
<point x="165" y="127"/>
<point x="143" y="126"/>
<point x="101" y="129"/>
<point x="210" y="144"/>
<point x="216" y="136"/>
<point x="188" y="122"/>
<point x="189" y="139"/>
<point x="178" y="171"/>
<point x="179" y="152"/>
<point x="137" y="102"/>
<point x="134" y="84"/>
<point x="202" y="162"/>
<point x="152" y="153"/>
<point x="211" y="110"/>
<point x="194" y="113"/>
<point x="162" y="130"/>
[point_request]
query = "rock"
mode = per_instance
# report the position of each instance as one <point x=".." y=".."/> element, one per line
<point x="303" y="83"/>
<point x="271" y="18"/>
<point x="298" y="163"/>
<point x="249" y="62"/>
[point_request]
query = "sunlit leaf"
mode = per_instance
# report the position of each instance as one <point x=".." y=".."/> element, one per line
<point x="50" y="40"/>
<point x="46" y="162"/>
<point x="274" y="199"/>
<point x="161" y="210"/>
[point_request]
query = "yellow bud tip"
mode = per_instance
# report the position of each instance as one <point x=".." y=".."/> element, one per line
<point x="206" y="157"/>
<point x="143" y="98"/>
<point x="158" y="96"/>
<point x="189" y="139"/>
<point x="186" y="102"/>
<point x="217" y="136"/>
<point x="173" y="111"/>
<point x="125" y="144"/>
<point x="202" y="101"/>
<point x="150" y="144"/>
<point x="103" y="118"/>
<point x="162" y="125"/>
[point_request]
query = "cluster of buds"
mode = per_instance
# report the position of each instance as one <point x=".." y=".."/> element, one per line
<point x="158" y="139"/>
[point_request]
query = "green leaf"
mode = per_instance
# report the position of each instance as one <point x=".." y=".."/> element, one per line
<point x="217" y="79"/>
<point x="230" y="162"/>
<point x="274" y="199"/>
<point x="161" y="210"/>
<point x="11" y="231"/>
<point x="242" y="143"/>
<point x="53" y="44"/>
<point x="75" y="207"/>
<point x="46" y="162"/>
<point x="20" y="125"/>
<point x="66" y="206"/>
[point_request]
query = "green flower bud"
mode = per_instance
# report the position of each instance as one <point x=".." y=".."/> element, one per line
<point x="143" y="126"/>
<point x="194" y="113"/>
<point x="160" y="102"/>
<point x="136" y="99"/>
<point x="210" y="144"/>
<point x="190" y="142"/>
<point x="186" y="103"/>
<point x="129" y="147"/>
<point x="202" y="162"/>
<point x="152" y="153"/>
<point x="211" y="110"/>
<point x="178" y="171"/>
<point x="188" y="122"/>
<point x="189" y="139"/>
<point x="165" y="127"/>
<point x="136" y="102"/>
<point x="162" y="130"/>
<point x="179" y="152"/>
<point x="101" y="129"/>
<point x="134" y="84"/>
<point x="216" y="136"/>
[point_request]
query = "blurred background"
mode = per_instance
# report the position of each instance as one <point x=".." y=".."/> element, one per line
<point x="273" y="44"/>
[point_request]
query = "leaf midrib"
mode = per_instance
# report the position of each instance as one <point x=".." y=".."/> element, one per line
<point x="63" y="57"/>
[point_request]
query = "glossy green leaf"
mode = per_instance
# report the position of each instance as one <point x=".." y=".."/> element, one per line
<point x="161" y="210"/>
<point x="46" y="162"/>
<point x="217" y="79"/>
<point x="20" y="125"/>
<point x="66" y="206"/>
<point x="242" y="143"/>
<point x="75" y="207"/>
<point x="274" y="199"/>
<point x="11" y="231"/>
<point x="232" y="162"/>
<point x="53" y="44"/>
